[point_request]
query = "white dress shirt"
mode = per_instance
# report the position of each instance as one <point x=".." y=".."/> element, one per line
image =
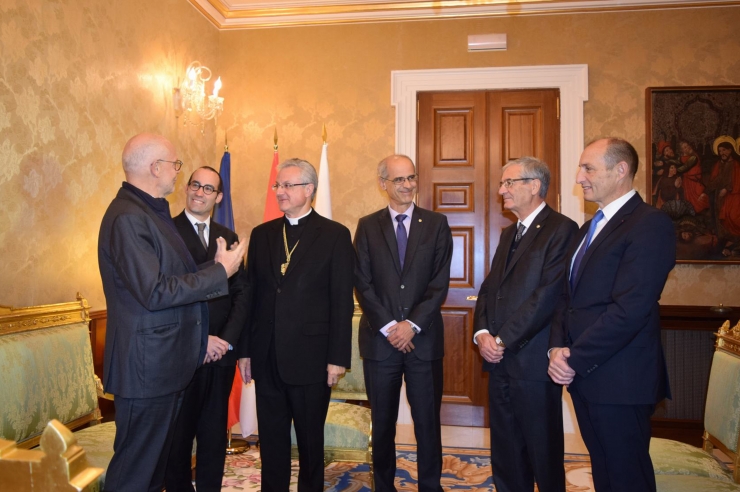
<point x="195" y="221"/>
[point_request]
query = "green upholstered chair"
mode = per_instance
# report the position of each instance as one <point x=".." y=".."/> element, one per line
<point x="681" y="467"/>
<point x="347" y="427"/>
<point x="47" y="373"/>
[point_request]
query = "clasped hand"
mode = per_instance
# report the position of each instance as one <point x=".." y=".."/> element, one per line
<point x="216" y="349"/>
<point x="400" y="335"/>
<point x="489" y="349"/>
<point x="559" y="369"/>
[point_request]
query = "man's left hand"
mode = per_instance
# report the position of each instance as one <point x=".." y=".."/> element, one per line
<point x="217" y="348"/>
<point x="400" y="336"/>
<point x="333" y="373"/>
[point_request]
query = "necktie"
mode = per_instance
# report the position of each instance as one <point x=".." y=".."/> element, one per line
<point x="201" y="234"/>
<point x="519" y="233"/>
<point x="582" y="250"/>
<point x="401" y="238"/>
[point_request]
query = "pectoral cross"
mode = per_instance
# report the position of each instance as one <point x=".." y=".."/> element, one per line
<point x="283" y="268"/>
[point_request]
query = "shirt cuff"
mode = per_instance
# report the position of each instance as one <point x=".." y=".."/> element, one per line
<point x="475" y="335"/>
<point x="385" y="329"/>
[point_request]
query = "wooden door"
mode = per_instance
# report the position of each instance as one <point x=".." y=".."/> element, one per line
<point x="464" y="140"/>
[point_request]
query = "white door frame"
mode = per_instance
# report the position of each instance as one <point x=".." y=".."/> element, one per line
<point x="572" y="80"/>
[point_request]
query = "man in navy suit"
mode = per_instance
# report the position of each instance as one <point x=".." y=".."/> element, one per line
<point x="512" y="330"/>
<point x="157" y="314"/>
<point x="205" y="403"/>
<point x="605" y="338"/>
<point x="401" y="280"/>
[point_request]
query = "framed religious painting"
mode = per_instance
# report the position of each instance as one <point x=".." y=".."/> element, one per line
<point x="693" y="168"/>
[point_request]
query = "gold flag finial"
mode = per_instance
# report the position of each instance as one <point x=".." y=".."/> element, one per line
<point x="226" y="141"/>
<point x="275" y="138"/>
<point x="323" y="133"/>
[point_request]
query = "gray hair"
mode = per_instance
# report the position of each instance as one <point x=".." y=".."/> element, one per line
<point x="308" y="172"/>
<point x="535" y="169"/>
<point x="141" y="150"/>
<point x="383" y="165"/>
<point x="619" y="150"/>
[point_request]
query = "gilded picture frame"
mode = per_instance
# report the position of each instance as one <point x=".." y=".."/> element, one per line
<point x="693" y="168"/>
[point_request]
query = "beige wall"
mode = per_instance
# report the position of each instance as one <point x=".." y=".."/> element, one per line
<point x="298" y="78"/>
<point x="77" y="81"/>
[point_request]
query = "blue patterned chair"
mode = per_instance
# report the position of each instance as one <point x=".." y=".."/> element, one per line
<point x="46" y="374"/>
<point x="347" y="428"/>
<point x="680" y="467"/>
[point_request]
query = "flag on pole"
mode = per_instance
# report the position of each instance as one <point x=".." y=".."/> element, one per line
<point x="223" y="213"/>
<point x="323" y="194"/>
<point x="248" y="410"/>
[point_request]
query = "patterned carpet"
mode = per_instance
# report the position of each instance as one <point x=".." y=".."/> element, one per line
<point x="462" y="469"/>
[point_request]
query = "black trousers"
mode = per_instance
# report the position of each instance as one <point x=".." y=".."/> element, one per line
<point x="618" y="440"/>
<point x="306" y="406"/>
<point x="526" y="434"/>
<point x="424" y="392"/>
<point x="144" y="430"/>
<point x="203" y="415"/>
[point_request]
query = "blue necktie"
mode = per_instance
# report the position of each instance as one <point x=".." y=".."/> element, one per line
<point x="401" y="238"/>
<point x="582" y="250"/>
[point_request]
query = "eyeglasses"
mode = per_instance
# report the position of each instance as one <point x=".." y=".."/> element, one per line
<point x="508" y="183"/>
<point x="207" y="189"/>
<point x="177" y="163"/>
<point x="287" y="186"/>
<point x="401" y="179"/>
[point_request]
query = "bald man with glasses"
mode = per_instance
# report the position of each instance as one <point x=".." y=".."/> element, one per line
<point x="401" y="280"/>
<point x="156" y="298"/>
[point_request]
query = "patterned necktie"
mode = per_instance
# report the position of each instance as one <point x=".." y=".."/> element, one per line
<point x="401" y="238"/>
<point x="519" y="233"/>
<point x="584" y="246"/>
<point x="201" y="234"/>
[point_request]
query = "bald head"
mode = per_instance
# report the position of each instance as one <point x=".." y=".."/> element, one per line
<point x="148" y="163"/>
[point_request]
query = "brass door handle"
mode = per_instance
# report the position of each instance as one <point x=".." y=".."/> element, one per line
<point x="472" y="298"/>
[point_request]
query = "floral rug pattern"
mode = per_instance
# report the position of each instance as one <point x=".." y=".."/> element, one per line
<point x="462" y="469"/>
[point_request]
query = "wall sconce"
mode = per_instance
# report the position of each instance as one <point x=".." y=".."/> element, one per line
<point x="190" y="98"/>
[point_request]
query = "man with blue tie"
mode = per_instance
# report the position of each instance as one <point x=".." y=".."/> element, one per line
<point x="401" y="280"/>
<point x="605" y="337"/>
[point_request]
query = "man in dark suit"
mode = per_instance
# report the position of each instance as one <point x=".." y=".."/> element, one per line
<point x="157" y="314"/>
<point x="205" y="403"/>
<point x="401" y="279"/>
<point x="300" y="331"/>
<point x="605" y="336"/>
<point x="512" y="330"/>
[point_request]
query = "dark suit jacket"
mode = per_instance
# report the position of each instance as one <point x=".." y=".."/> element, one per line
<point x="517" y="302"/>
<point x="153" y="292"/>
<point x="610" y="319"/>
<point x="386" y="293"/>
<point x="227" y="314"/>
<point x="309" y="310"/>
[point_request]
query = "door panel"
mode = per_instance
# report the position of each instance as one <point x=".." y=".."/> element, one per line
<point x="464" y="140"/>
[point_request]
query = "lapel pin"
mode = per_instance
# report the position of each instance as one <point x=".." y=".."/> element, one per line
<point x="419" y="220"/>
<point x="538" y="226"/>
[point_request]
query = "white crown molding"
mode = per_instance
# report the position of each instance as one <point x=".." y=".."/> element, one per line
<point x="249" y="14"/>
<point x="572" y="80"/>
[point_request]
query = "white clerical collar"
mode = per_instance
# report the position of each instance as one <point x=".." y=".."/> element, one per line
<point x="194" y="220"/>
<point x="294" y="221"/>
<point x="530" y="218"/>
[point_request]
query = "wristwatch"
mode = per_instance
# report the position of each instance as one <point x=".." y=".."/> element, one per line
<point x="500" y="342"/>
<point x="415" y="328"/>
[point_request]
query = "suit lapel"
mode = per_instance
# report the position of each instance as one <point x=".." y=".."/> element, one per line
<point x="308" y="236"/>
<point x="529" y="236"/>
<point x="416" y="231"/>
<point x="384" y="221"/>
<point x="168" y="231"/>
<point x="212" y="243"/>
<point x="611" y="226"/>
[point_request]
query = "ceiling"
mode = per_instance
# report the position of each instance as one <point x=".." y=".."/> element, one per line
<point x="249" y="14"/>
